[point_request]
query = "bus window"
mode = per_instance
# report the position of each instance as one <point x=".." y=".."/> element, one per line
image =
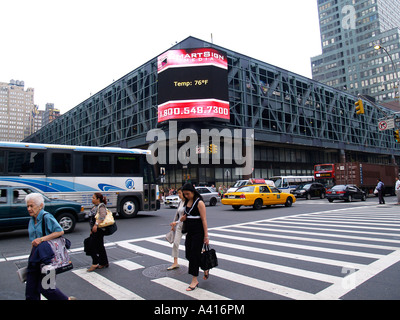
<point x="96" y="164"/>
<point x="26" y="162"/>
<point x="2" y="160"/>
<point x="61" y="163"/>
<point x="127" y="165"/>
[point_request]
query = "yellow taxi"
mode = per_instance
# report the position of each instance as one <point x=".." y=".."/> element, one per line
<point x="257" y="196"/>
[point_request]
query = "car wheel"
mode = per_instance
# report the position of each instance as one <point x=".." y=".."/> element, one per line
<point x="258" y="204"/>
<point x="67" y="222"/>
<point x="363" y="198"/>
<point x="330" y="200"/>
<point x="322" y="196"/>
<point x="236" y="207"/>
<point x="308" y="197"/>
<point x="349" y="199"/>
<point x="289" y="202"/>
<point x="213" y="202"/>
<point x="129" y="208"/>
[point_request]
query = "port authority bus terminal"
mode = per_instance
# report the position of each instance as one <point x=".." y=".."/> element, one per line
<point x="197" y="85"/>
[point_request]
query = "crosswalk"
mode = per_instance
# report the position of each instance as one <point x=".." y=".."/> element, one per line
<point x="322" y="255"/>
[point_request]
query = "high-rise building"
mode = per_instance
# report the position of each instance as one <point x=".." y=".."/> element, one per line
<point x="350" y="29"/>
<point x="16" y="105"/>
<point x="50" y="113"/>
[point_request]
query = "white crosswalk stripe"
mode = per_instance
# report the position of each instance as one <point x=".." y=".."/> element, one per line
<point x="179" y="286"/>
<point x="320" y="255"/>
<point x="116" y="291"/>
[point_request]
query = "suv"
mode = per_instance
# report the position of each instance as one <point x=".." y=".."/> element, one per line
<point x="14" y="214"/>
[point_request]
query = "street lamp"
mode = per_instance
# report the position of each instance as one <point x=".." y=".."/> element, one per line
<point x="378" y="47"/>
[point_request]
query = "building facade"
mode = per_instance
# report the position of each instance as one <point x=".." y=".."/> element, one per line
<point x="16" y="106"/>
<point x="350" y="29"/>
<point x="50" y="113"/>
<point x="297" y="121"/>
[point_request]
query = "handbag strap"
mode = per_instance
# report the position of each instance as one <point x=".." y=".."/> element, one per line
<point x="44" y="225"/>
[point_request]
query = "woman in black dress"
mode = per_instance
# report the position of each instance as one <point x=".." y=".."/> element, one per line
<point x="197" y="232"/>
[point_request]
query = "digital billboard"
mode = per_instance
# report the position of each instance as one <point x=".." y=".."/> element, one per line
<point x="193" y="84"/>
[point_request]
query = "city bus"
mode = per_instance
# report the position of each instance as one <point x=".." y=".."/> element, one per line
<point x="76" y="172"/>
<point x="289" y="183"/>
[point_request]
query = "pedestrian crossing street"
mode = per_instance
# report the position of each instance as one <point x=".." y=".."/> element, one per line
<point x="322" y="255"/>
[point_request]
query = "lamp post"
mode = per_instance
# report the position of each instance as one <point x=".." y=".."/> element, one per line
<point x="378" y="47"/>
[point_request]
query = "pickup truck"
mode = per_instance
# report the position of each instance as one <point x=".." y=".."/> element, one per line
<point x="14" y="214"/>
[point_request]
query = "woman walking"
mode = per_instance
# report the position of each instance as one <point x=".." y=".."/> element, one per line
<point x="35" y="206"/>
<point x="177" y="226"/>
<point x="97" y="249"/>
<point x="197" y="232"/>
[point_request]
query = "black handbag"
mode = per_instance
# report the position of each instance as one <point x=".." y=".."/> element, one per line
<point x="208" y="258"/>
<point x="109" y="230"/>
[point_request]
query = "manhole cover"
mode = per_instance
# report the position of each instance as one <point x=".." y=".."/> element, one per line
<point x="161" y="271"/>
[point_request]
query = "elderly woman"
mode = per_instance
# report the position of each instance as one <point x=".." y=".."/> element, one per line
<point x="35" y="206"/>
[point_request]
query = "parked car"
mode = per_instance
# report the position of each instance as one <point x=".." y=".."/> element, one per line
<point x="346" y="193"/>
<point x="310" y="190"/>
<point x="14" y="214"/>
<point x="257" y="196"/>
<point x="210" y="196"/>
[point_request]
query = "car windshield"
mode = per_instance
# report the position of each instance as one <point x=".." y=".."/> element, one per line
<point x="303" y="186"/>
<point x="339" y="187"/>
<point x="239" y="184"/>
<point x="246" y="189"/>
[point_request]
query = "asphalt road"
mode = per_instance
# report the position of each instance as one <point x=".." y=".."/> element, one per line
<point x="313" y="250"/>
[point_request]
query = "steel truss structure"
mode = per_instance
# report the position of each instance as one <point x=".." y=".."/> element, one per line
<point x="281" y="106"/>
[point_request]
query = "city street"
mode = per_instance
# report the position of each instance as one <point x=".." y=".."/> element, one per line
<point x="313" y="250"/>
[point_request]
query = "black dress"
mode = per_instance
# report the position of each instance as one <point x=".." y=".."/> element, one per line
<point x="194" y="237"/>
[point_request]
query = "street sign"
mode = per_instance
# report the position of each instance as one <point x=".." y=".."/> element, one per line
<point x="386" y="124"/>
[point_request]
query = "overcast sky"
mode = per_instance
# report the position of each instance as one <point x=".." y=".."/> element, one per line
<point x="68" y="50"/>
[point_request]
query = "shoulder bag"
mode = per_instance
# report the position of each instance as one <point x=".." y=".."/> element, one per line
<point x="61" y="261"/>
<point x="108" y="225"/>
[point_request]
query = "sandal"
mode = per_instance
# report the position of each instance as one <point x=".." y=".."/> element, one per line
<point x="192" y="288"/>
<point x="173" y="267"/>
<point x="206" y="275"/>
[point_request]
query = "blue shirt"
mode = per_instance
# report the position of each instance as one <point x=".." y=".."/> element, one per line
<point x="380" y="185"/>
<point x="35" y="231"/>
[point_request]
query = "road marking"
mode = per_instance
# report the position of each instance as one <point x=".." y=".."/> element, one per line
<point x="299" y="246"/>
<point x="330" y="235"/>
<point x="355" y="279"/>
<point x="128" y="265"/>
<point x="295" y="256"/>
<point x="330" y="229"/>
<point x="301" y="222"/>
<point x="198" y="293"/>
<point x="269" y="266"/>
<point x="107" y="286"/>
<point x="230" y="276"/>
<point x="344" y="243"/>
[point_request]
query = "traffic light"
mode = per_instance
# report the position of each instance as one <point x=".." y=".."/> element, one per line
<point x="396" y="136"/>
<point x="213" y="149"/>
<point x="359" y="107"/>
